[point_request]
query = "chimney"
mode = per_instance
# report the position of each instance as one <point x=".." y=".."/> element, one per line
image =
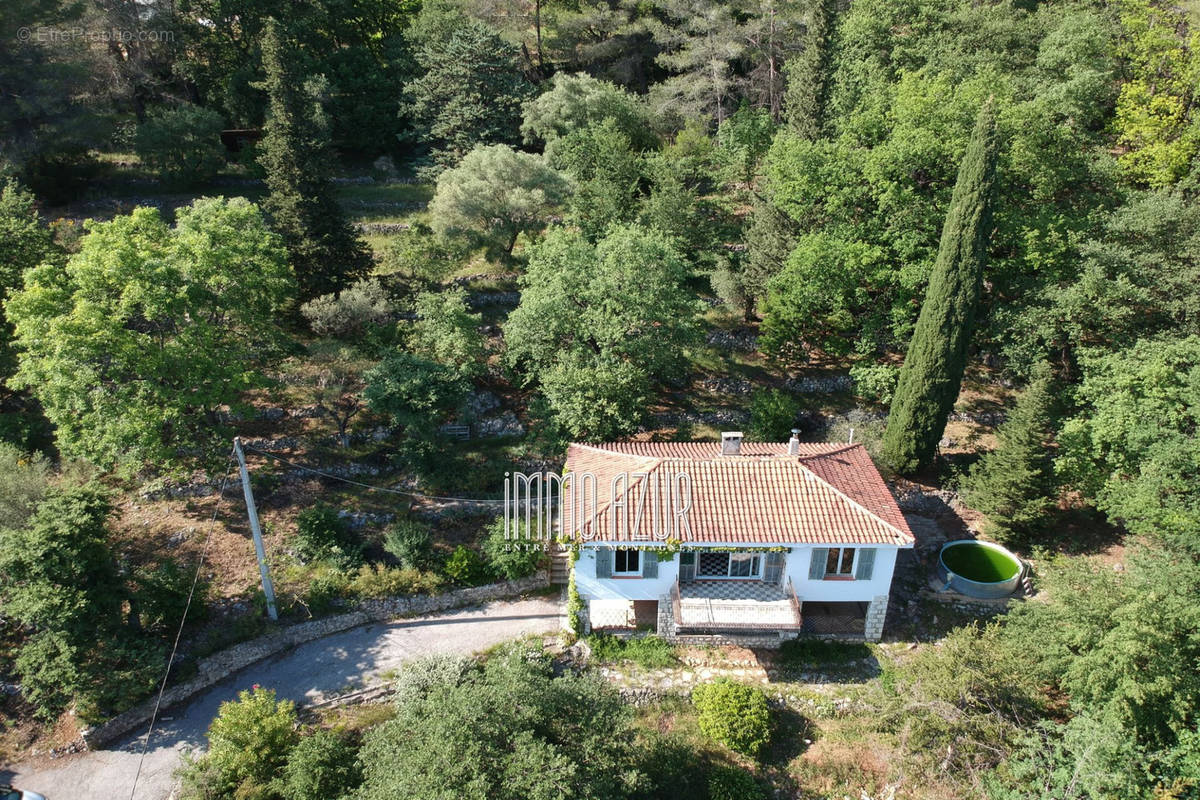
<point x="794" y="443"/>
<point x="731" y="443"/>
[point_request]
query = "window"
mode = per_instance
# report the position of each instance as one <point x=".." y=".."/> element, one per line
<point x="729" y="565"/>
<point x="840" y="562"/>
<point x="627" y="562"/>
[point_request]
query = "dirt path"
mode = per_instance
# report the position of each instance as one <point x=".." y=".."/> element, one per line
<point x="308" y="674"/>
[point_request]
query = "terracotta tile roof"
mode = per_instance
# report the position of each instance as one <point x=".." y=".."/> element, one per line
<point x="828" y="494"/>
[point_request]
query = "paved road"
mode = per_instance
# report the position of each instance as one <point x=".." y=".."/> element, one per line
<point x="307" y="674"/>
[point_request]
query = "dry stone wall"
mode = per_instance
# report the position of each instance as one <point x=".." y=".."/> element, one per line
<point x="219" y="666"/>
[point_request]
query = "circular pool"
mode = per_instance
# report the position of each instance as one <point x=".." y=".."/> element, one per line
<point x="978" y="569"/>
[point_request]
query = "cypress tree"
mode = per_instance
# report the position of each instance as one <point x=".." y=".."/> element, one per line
<point x="807" y="71"/>
<point x="933" y="368"/>
<point x="1012" y="485"/>
<point x="324" y="251"/>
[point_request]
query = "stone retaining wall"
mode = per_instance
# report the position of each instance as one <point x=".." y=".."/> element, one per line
<point x="219" y="666"/>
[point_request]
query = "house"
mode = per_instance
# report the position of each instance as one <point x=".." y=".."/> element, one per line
<point x="759" y="543"/>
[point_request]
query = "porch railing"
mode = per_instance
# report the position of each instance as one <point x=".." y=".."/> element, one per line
<point x="676" y="604"/>
<point x="795" y="600"/>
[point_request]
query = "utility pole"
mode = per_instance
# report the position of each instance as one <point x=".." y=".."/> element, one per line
<point x="256" y="531"/>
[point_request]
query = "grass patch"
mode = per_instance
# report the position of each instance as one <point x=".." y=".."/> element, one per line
<point x="650" y="652"/>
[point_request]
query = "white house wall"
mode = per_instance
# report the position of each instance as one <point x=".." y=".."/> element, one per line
<point x="590" y="586"/>
<point x="855" y="591"/>
<point x="795" y="567"/>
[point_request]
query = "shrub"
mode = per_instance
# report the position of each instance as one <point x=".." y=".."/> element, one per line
<point x="377" y="580"/>
<point x="324" y="589"/>
<point x="419" y="253"/>
<point x="575" y="608"/>
<point x="874" y="382"/>
<point x="418" y="677"/>
<point x="250" y="738"/>
<point x="162" y="592"/>
<point x="651" y="652"/>
<point x="773" y="414"/>
<point x="731" y="783"/>
<point x="511" y="558"/>
<point x="183" y="145"/>
<point x="24" y="479"/>
<point x="410" y="543"/>
<point x="321" y="535"/>
<point x="321" y="767"/>
<point x="465" y="566"/>
<point x="349" y="312"/>
<point x="734" y="714"/>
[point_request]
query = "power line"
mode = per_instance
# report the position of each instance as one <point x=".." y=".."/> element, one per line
<point x="179" y="632"/>
<point x="387" y="489"/>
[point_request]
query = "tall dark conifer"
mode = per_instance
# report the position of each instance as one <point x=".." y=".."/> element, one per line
<point x="324" y="251"/>
<point x="933" y="368"/>
<point x="807" y="72"/>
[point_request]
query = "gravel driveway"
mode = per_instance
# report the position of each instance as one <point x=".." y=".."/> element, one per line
<point x="307" y="674"/>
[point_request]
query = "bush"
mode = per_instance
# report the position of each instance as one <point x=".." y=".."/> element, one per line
<point x="646" y="651"/>
<point x="24" y="479"/>
<point x="734" y="714"/>
<point x="321" y="767"/>
<point x="410" y="543"/>
<point x="377" y="580"/>
<point x="418" y="677"/>
<point x="511" y="558"/>
<point x="773" y="414"/>
<point x="419" y="253"/>
<point x="250" y="739"/>
<point x="466" y="567"/>
<point x="321" y="535"/>
<point x="183" y="145"/>
<point x="731" y="783"/>
<point x="324" y="589"/>
<point x="162" y="592"/>
<point x="875" y="382"/>
<point x="350" y="312"/>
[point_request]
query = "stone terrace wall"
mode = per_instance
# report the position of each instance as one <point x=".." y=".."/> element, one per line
<point x="219" y="666"/>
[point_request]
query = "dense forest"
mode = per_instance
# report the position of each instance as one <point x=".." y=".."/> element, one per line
<point x="949" y="205"/>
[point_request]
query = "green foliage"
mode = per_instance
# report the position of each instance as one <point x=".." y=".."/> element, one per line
<point x="650" y="652"/>
<point x="606" y="174"/>
<point x="351" y="312"/>
<point x="1120" y="646"/>
<point x="418" y="678"/>
<point x="598" y="322"/>
<point x="734" y="714"/>
<point x="59" y="577"/>
<point x="964" y="702"/>
<point x="470" y="93"/>
<point x="377" y="580"/>
<point x="511" y="558"/>
<point x="250" y="739"/>
<point x="773" y="415"/>
<point x="419" y="253"/>
<point x="1155" y="120"/>
<point x="446" y="332"/>
<point x="414" y="392"/>
<point x="569" y="735"/>
<point x="576" y="102"/>
<point x="808" y="72"/>
<point x="575" y="606"/>
<point x="732" y="783"/>
<point x="159" y="594"/>
<point x="24" y="480"/>
<point x="874" y="382"/>
<point x="1013" y="485"/>
<point x="183" y="145"/>
<point x="937" y="355"/>
<point x="804" y="654"/>
<point x="494" y="195"/>
<point x="322" y="535"/>
<point x="1132" y="445"/>
<point x="134" y="346"/>
<point x="320" y="767"/>
<point x="324" y="252"/>
<point x="744" y="139"/>
<point x="410" y="543"/>
<point x="466" y="567"/>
